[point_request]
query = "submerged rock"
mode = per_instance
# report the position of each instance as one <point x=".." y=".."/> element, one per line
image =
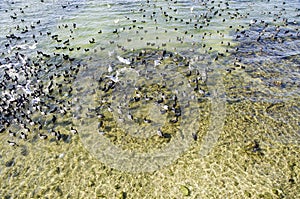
<point x="184" y="190"/>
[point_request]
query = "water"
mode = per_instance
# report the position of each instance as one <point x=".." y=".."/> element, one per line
<point x="169" y="98"/>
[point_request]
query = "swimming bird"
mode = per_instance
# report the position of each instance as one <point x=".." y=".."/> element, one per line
<point x="124" y="60"/>
<point x="23" y="136"/>
<point x="73" y="131"/>
<point x="147" y="120"/>
<point x="43" y="136"/>
<point x="160" y="133"/>
<point x="11" y="143"/>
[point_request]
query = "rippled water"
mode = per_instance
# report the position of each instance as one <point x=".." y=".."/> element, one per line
<point x="170" y="98"/>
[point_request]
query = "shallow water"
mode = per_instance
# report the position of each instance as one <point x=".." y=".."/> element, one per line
<point x="170" y="99"/>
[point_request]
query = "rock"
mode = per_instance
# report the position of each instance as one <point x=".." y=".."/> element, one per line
<point x="184" y="190"/>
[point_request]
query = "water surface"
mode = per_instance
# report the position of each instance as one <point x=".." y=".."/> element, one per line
<point x="233" y="66"/>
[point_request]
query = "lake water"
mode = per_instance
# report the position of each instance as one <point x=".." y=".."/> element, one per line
<point x="170" y="99"/>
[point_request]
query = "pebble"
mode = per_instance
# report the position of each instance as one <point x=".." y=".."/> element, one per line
<point x="184" y="190"/>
